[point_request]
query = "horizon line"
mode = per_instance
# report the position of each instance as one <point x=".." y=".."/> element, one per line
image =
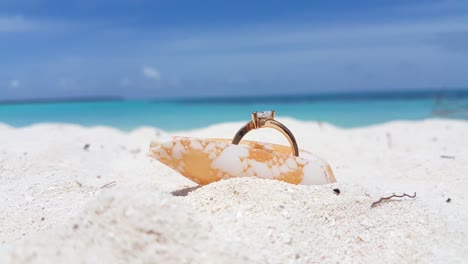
<point x="326" y="96"/>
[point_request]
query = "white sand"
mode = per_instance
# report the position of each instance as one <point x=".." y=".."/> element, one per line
<point x="53" y="209"/>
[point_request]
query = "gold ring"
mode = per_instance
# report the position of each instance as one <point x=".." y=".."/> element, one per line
<point x="266" y="119"/>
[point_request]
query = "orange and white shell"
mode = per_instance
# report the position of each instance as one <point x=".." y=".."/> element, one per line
<point x="208" y="160"/>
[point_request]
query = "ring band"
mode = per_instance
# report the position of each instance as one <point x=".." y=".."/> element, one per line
<point x="266" y="119"/>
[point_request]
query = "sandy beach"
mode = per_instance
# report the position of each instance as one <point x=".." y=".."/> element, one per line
<point x="92" y="195"/>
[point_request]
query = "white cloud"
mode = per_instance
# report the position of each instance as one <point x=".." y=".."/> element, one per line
<point x="310" y="37"/>
<point x="14" y="83"/>
<point x="18" y="24"/>
<point x="151" y="73"/>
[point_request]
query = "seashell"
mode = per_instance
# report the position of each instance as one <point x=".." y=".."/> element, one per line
<point x="208" y="160"/>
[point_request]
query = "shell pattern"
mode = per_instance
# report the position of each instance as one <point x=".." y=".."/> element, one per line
<point x="208" y="160"/>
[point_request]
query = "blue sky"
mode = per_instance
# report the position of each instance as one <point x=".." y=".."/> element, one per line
<point x="151" y="48"/>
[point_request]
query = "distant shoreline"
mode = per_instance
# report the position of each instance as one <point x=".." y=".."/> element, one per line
<point x="62" y="100"/>
<point x="335" y="96"/>
<point x="284" y="98"/>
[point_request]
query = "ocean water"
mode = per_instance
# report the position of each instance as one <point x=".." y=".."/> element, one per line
<point x="342" y="111"/>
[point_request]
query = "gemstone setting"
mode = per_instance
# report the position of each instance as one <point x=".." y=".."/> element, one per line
<point x="258" y="118"/>
<point x="266" y="114"/>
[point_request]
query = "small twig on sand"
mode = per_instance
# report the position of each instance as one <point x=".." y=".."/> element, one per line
<point x="389" y="140"/>
<point x="108" y="185"/>
<point x="393" y="196"/>
<point x="185" y="191"/>
<point x="447" y="157"/>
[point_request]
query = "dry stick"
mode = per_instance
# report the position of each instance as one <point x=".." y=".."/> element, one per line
<point x="108" y="185"/>
<point x="447" y="157"/>
<point x="393" y="196"/>
<point x="389" y="140"/>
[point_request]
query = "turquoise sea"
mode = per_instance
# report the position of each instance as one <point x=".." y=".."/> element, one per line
<point x="344" y="110"/>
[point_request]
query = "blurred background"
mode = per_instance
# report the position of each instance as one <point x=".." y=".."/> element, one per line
<point x="131" y="63"/>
